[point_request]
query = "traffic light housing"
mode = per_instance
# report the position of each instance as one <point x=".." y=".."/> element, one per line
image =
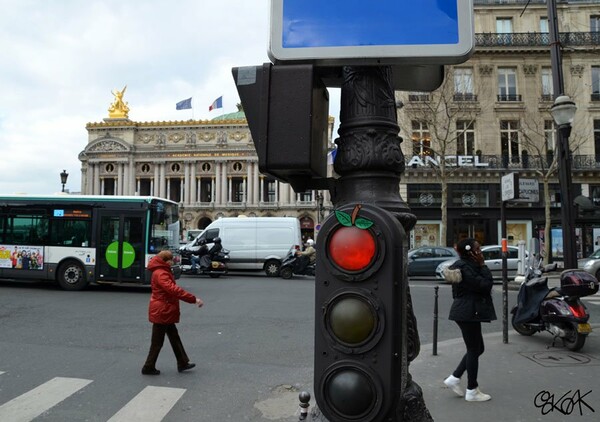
<point x="287" y="109"/>
<point x="360" y="314"/>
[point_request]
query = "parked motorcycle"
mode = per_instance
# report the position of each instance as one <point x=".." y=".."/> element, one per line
<point x="212" y="264"/>
<point x="559" y="310"/>
<point x="293" y="264"/>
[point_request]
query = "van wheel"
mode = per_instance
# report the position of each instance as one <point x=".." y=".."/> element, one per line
<point x="272" y="267"/>
<point x="71" y="276"/>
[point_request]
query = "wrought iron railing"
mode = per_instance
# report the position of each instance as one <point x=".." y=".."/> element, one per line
<point x="509" y="97"/>
<point x="464" y="96"/>
<point x="523" y="2"/>
<point x="418" y="97"/>
<point x="536" y="39"/>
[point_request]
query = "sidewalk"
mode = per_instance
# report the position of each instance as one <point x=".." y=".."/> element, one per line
<point x="514" y="374"/>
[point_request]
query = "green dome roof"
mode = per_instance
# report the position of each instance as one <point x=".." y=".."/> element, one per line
<point x="238" y="115"/>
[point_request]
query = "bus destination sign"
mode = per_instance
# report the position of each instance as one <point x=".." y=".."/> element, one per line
<point x="72" y="213"/>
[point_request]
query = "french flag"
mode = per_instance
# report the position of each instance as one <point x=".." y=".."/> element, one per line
<point x="218" y="103"/>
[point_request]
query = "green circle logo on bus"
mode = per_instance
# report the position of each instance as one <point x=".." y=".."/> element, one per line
<point x="112" y="255"/>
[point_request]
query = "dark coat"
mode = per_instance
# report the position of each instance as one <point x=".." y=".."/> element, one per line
<point x="472" y="296"/>
<point x="166" y="294"/>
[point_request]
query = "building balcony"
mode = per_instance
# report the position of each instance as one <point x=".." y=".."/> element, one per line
<point x="524" y="2"/>
<point x="536" y="39"/>
<point x="418" y="97"/>
<point x="509" y="98"/>
<point x="464" y="96"/>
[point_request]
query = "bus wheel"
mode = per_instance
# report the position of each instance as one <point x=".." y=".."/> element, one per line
<point x="70" y="276"/>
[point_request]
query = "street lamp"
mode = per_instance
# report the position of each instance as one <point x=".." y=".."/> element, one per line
<point x="562" y="105"/>
<point x="563" y="112"/>
<point x="63" y="179"/>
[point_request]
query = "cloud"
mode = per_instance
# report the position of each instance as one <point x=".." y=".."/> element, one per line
<point x="62" y="58"/>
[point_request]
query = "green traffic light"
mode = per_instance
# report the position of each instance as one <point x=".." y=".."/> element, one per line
<point x="351" y="393"/>
<point x="352" y="320"/>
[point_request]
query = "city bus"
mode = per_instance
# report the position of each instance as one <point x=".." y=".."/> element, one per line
<point x="77" y="240"/>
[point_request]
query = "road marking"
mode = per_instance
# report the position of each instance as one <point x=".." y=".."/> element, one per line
<point x="32" y="404"/>
<point x="150" y="405"/>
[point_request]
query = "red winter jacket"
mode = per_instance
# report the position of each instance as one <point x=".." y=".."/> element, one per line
<point x="166" y="294"/>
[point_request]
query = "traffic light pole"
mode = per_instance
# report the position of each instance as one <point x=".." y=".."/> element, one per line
<point x="370" y="162"/>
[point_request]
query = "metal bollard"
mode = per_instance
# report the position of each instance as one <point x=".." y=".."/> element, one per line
<point x="304" y="398"/>
<point x="435" y="320"/>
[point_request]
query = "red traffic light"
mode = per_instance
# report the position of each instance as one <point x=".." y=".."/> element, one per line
<point x="352" y="248"/>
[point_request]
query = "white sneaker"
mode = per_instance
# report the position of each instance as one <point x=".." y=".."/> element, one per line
<point x="476" y="395"/>
<point x="454" y="383"/>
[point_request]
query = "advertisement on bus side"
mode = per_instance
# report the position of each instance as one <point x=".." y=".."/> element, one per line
<point x="21" y="257"/>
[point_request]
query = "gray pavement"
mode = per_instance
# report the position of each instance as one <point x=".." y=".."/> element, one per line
<point x="527" y="379"/>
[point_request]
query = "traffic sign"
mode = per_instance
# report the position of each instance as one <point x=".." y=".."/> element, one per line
<point x="510" y="187"/>
<point x="384" y="32"/>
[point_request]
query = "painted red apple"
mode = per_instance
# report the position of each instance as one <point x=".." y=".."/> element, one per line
<point x="352" y="246"/>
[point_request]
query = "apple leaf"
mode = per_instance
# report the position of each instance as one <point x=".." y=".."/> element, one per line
<point x="343" y="218"/>
<point x="363" y="223"/>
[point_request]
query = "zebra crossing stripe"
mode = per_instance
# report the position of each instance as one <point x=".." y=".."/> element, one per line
<point x="150" y="405"/>
<point x="30" y="405"/>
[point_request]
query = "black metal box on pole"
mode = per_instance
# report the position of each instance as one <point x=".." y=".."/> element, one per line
<point x="287" y="108"/>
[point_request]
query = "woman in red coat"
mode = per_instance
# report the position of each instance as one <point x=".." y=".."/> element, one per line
<point x="163" y="313"/>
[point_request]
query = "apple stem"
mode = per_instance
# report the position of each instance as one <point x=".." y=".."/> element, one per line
<point x="357" y="208"/>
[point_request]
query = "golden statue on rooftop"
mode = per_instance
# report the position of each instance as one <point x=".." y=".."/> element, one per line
<point x="118" y="109"/>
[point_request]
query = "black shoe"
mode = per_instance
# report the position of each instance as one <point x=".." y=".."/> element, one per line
<point x="186" y="367"/>
<point x="150" y="371"/>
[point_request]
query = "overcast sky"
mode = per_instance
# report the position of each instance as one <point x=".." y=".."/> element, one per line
<point x="60" y="60"/>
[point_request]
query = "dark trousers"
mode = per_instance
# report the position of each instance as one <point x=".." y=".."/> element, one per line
<point x="158" y="339"/>
<point x="471" y="332"/>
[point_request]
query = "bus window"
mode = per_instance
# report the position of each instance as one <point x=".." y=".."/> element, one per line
<point x="26" y="229"/>
<point x="164" y="224"/>
<point x="71" y="233"/>
<point x="2" y="228"/>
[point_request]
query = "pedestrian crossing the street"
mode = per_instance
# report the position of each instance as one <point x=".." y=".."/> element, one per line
<point x="151" y="405"/>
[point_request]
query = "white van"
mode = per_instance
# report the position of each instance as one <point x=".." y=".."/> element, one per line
<point x="255" y="242"/>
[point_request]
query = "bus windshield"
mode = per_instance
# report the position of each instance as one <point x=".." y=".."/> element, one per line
<point x="164" y="227"/>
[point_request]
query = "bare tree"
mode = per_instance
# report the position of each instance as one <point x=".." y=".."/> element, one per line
<point x="444" y="121"/>
<point x="538" y="138"/>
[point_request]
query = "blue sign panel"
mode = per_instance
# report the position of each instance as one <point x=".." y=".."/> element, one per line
<point x="355" y="31"/>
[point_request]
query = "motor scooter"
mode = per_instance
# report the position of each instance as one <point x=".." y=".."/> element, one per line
<point x="559" y="310"/>
<point x="214" y="265"/>
<point x="292" y="264"/>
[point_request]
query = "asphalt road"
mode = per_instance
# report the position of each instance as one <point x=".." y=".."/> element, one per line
<point x="252" y="343"/>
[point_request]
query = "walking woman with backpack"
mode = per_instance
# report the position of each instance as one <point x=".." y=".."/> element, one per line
<point x="472" y="284"/>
